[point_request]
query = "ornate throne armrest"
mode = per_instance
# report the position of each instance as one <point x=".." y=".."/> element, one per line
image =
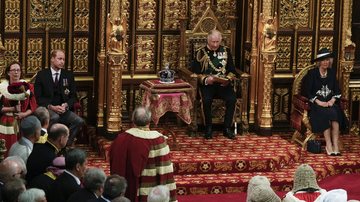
<point x="189" y="77"/>
<point x="301" y="103"/>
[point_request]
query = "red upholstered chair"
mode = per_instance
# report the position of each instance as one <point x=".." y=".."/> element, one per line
<point x="300" y="107"/>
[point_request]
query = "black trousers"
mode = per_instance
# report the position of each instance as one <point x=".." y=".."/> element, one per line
<point x="209" y="92"/>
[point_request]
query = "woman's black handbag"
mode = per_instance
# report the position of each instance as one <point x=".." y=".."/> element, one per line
<point x="314" y="146"/>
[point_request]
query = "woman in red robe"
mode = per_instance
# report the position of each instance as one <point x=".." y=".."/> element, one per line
<point x="17" y="101"/>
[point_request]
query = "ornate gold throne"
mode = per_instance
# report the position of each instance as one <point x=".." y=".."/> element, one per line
<point x="191" y="40"/>
<point x="300" y="108"/>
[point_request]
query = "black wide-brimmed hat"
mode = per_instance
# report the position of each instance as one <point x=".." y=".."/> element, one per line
<point x="323" y="54"/>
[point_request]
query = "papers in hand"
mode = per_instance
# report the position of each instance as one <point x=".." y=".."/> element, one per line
<point x="221" y="80"/>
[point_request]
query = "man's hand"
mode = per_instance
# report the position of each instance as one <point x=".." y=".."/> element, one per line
<point x="57" y="108"/>
<point x="331" y="102"/>
<point x="209" y="80"/>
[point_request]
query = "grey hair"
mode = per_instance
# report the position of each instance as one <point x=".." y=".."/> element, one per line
<point x="115" y="186"/>
<point x="31" y="195"/>
<point x="73" y="157"/>
<point x="160" y="193"/>
<point x="29" y="126"/>
<point x="141" y="116"/>
<point x="43" y="115"/>
<point x="214" y="32"/>
<point x="94" y="179"/>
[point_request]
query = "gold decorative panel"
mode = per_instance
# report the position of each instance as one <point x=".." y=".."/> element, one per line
<point x="197" y="10"/>
<point x="326" y="42"/>
<point x="81" y="15"/>
<point x="124" y="99"/>
<point x="284" y="53"/>
<point x="12" y="16"/>
<point x="12" y="47"/>
<point x="304" y="51"/>
<point x="174" y="9"/>
<point x="295" y="12"/>
<point x="57" y="43"/>
<point x="49" y="13"/>
<point x="225" y="8"/>
<point x="145" y="53"/>
<point x="281" y="104"/>
<point x="80" y="60"/>
<point x="146" y="14"/>
<point x="34" y="54"/>
<point x="138" y="98"/>
<point x="171" y="54"/>
<point x="327" y="13"/>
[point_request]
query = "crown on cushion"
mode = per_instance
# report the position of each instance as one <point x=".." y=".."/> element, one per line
<point x="166" y="75"/>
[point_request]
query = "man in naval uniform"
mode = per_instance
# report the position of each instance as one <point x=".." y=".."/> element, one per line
<point x="216" y="70"/>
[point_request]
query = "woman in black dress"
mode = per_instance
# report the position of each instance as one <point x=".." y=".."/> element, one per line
<point x="323" y="92"/>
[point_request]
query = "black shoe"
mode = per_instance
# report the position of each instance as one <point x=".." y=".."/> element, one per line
<point x="229" y="133"/>
<point x="208" y="133"/>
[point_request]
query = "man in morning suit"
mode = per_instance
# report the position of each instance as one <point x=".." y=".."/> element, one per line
<point x="69" y="181"/>
<point x="43" y="154"/>
<point x="212" y="62"/>
<point x="55" y="89"/>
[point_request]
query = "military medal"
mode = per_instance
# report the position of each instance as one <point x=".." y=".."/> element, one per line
<point x="215" y="55"/>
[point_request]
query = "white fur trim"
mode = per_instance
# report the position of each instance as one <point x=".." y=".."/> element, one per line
<point x="152" y="134"/>
<point x="4" y="92"/>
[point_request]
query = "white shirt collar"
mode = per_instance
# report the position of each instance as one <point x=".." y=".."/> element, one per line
<point x="53" y="71"/>
<point x="76" y="178"/>
<point x="44" y="129"/>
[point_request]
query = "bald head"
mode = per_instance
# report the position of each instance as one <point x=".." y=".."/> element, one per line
<point x="12" y="167"/>
<point x="141" y="116"/>
<point x="58" y="135"/>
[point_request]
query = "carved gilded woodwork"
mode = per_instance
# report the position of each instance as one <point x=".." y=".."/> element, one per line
<point x="268" y="65"/>
<point x="12" y="52"/>
<point x="145" y="52"/>
<point x="50" y="13"/>
<point x="138" y="98"/>
<point x="225" y="8"/>
<point x="197" y="8"/>
<point x="146" y="14"/>
<point x="171" y="54"/>
<point x="295" y="12"/>
<point x="84" y="100"/>
<point x="355" y="100"/>
<point x="284" y="53"/>
<point x="116" y="61"/>
<point x="174" y="9"/>
<point x="34" y="55"/>
<point x="327" y="14"/>
<point x="281" y="104"/>
<point x="326" y="42"/>
<point x="124" y="98"/>
<point x="80" y="55"/>
<point x="57" y="43"/>
<point x="304" y="51"/>
<point x="2" y="56"/>
<point x="12" y="15"/>
<point x="81" y="15"/>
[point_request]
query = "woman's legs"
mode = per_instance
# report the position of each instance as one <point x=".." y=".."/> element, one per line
<point x="327" y="135"/>
<point x="335" y="135"/>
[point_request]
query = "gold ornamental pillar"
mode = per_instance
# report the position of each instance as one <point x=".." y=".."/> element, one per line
<point x="101" y="89"/>
<point x="268" y="60"/>
<point x="116" y="62"/>
<point x="2" y="56"/>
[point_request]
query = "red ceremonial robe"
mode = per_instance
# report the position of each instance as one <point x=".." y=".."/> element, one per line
<point x="143" y="158"/>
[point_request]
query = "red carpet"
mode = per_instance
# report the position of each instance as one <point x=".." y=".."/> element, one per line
<point x="349" y="182"/>
<point x="213" y="170"/>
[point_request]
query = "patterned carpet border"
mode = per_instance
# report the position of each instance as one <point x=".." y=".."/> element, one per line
<point x="225" y="166"/>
